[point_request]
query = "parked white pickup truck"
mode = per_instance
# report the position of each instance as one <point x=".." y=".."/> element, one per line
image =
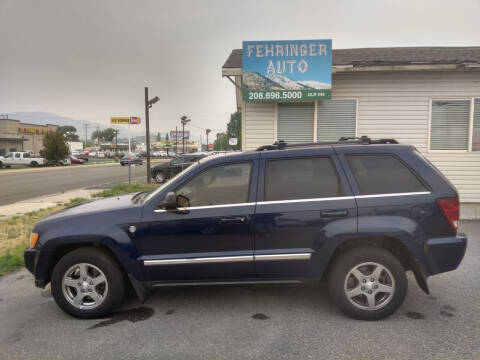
<point x="20" y="158"/>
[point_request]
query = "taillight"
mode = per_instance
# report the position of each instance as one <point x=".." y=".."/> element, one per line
<point x="451" y="210"/>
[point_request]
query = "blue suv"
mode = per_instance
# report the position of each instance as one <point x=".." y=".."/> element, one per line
<point x="358" y="212"/>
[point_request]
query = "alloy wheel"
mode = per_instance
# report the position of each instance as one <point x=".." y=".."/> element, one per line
<point x="84" y="286"/>
<point x="369" y="286"/>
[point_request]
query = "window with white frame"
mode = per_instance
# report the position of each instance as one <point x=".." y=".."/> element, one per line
<point x="455" y="125"/>
<point x="476" y="125"/>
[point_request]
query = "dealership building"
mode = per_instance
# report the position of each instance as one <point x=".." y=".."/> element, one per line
<point x="18" y="136"/>
<point x="427" y="96"/>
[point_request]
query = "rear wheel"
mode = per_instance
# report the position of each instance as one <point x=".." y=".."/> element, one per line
<point x="33" y="164"/>
<point x="88" y="283"/>
<point x="367" y="283"/>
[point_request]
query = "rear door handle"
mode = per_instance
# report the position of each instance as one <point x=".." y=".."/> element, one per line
<point x="333" y="213"/>
<point x="233" y="220"/>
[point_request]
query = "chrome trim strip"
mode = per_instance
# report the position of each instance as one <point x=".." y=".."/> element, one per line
<point x="224" y="259"/>
<point x="205" y="260"/>
<point x="305" y="200"/>
<point x="299" y="256"/>
<point x="206" y="207"/>
<point x="392" y="194"/>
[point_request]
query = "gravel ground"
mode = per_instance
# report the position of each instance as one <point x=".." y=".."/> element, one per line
<point x="277" y="322"/>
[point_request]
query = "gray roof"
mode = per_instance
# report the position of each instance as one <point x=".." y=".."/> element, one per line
<point x="390" y="56"/>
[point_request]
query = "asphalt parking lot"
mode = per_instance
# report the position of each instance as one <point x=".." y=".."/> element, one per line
<point x="251" y="322"/>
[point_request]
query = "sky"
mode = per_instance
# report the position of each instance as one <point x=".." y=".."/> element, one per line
<point x="91" y="59"/>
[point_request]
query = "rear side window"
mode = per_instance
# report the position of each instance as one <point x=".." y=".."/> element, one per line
<point x="302" y="178"/>
<point x="383" y="174"/>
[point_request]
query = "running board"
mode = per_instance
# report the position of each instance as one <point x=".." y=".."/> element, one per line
<point x="240" y="282"/>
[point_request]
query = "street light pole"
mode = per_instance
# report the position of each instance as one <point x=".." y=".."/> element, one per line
<point x="184" y="120"/>
<point x="208" y="131"/>
<point x="148" y="105"/>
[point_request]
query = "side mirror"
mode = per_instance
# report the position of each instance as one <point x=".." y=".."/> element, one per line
<point x="170" y="201"/>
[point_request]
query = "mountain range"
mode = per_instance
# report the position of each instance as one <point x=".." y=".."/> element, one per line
<point x="255" y="81"/>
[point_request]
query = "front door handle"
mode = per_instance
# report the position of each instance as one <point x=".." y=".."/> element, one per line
<point x="333" y="213"/>
<point x="233" y="220"/>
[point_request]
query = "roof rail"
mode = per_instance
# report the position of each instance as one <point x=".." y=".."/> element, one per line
<point x="362" y="140"/>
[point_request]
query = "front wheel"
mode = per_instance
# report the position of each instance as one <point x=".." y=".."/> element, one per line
<point x="367" y="283"/>
<point x="159" y="177"/>
<point x="88" y="283"/>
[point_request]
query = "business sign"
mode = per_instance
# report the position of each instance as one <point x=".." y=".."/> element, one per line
<point x="233" y="141"/>
<point x="287" y="70"/>
<point x="175" y="137"/>
<point x="133" y="120"/>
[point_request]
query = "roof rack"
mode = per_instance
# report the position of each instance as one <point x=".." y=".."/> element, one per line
<point x="362" y="140"/>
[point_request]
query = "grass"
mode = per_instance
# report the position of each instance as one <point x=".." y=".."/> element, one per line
<point x="15" y="231"/>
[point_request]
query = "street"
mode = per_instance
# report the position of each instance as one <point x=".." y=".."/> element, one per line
<point x="23" y="184"/>
<point x="253" y="322"/>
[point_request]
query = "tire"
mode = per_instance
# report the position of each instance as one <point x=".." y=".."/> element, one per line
<point x="96" y="262"/>
<point x="33" y="164"/>
<point x="160" y="177"/>
<point x="377" y="270"/>
<point x="1" y="165"/>
<point x="122" y="164"/>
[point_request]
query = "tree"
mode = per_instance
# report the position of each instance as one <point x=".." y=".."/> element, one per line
<point x="221" y="142"/>
<point x="55" y="147"/>
<point x="107" y="135"/>
<point x="234" y="129"/>
<point x="69" y="132"/>
<point x="159" y="138"/>
<point x="166" y="136"/>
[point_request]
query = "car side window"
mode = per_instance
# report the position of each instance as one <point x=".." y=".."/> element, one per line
<point x="301" y="178"/>
<point x="219" y="185"/>
<point x="383" y="174"/>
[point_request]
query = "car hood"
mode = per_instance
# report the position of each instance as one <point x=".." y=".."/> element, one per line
<point x="116" y="209"/>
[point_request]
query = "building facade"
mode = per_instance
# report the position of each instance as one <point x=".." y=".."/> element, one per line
<point x="18" y="136"/>
<point x="427" y="97"/>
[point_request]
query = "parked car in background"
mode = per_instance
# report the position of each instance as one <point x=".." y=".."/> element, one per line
<point x="82" y="157"/>
<point x="358" y="213"/>
<point x="166" y="170"/>
<point x="76" y="160"/>
<point x="21" y="158"/>
<point x="132" y="159"/>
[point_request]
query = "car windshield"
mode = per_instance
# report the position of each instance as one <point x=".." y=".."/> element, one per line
<point x="159" y="189"/>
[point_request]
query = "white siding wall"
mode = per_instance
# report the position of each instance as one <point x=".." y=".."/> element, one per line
<point x="394" y="104"/>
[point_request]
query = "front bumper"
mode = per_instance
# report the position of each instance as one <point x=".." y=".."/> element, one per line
<point x="31" y="258"/>
<point x="445" y="254"/>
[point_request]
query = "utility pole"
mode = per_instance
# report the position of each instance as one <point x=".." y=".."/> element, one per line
<point x="208" y="131"/>
<point x="86" y="127"/>
<point x="176" y="140"/>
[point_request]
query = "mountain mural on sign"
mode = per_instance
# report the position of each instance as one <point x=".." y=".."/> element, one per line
<point x="256" y="81"/>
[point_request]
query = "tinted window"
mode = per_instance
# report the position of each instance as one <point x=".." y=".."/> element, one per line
<point x="225" y="184"/>
<point x="307" y="178"/>
<point x="383" y="174"/>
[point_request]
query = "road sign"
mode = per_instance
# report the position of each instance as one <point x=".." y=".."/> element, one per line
<point x="233" y="141"/>
<point x="132" y="120"/>
<point x="210" y="146"/>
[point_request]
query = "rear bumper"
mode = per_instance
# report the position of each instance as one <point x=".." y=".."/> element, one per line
<point x="445" y="254"/>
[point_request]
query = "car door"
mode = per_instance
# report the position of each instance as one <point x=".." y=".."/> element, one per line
<point x="304" y="201"/>
<point x="210" y="235"/>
